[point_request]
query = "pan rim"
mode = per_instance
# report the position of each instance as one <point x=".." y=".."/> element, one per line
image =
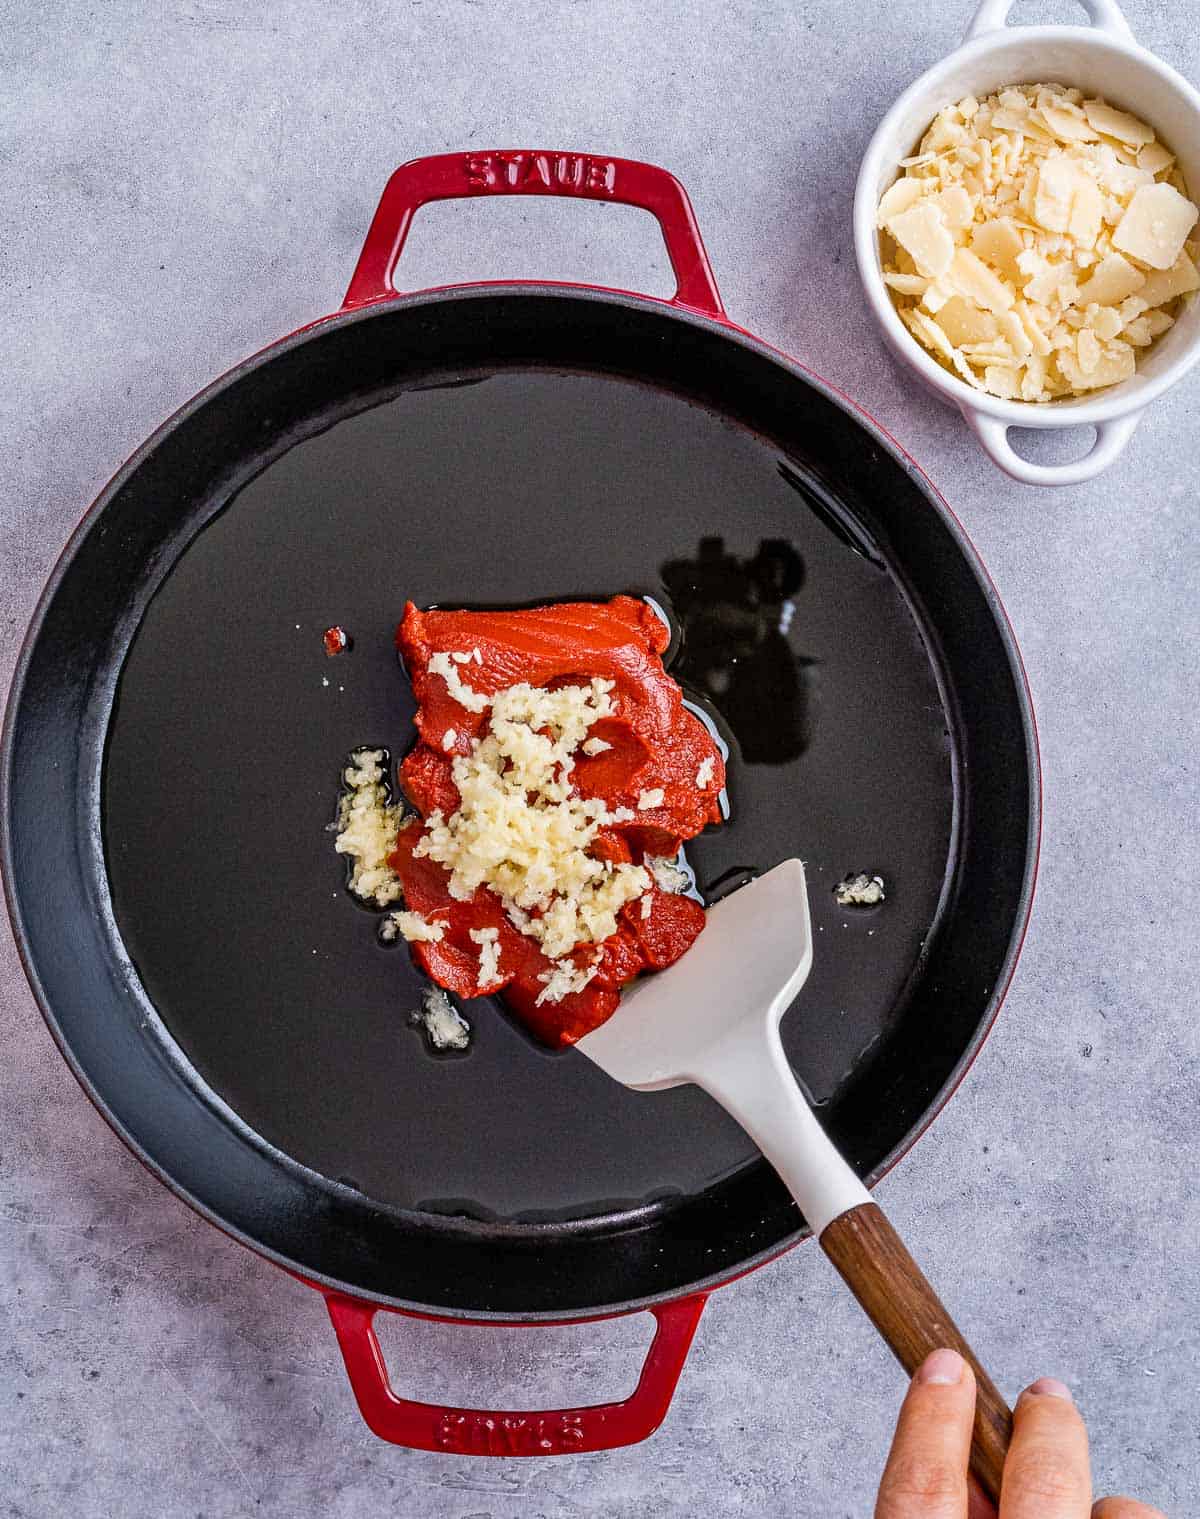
<point x="730" y="331"/>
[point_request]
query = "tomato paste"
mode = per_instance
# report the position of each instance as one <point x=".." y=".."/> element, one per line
<point x="657" y="768"/>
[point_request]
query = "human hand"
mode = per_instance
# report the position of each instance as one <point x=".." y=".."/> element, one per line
<point x="1046" y="1475"/>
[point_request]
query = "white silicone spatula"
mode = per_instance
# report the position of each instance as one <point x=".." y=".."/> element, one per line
<point x="713" y="1018"/>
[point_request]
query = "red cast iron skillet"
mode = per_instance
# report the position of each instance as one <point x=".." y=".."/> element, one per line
<point x="175" y="736"/>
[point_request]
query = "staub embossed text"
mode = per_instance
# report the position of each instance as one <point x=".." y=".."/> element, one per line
<point x="480" y="1434"/>
<point x="570" y="172"/>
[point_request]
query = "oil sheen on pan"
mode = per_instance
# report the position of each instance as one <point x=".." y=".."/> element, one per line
<point x="232" y="724"/>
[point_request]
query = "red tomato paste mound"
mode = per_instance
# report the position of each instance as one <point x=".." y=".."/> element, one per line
<point x="656" y="769"/>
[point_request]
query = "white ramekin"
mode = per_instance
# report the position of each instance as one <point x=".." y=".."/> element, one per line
<point x="1102" y="59"/>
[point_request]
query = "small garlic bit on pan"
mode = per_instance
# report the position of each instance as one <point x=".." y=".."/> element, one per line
<point x="1037" y="240"/>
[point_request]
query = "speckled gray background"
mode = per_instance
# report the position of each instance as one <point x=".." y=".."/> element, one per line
<point x="181" y="183"/>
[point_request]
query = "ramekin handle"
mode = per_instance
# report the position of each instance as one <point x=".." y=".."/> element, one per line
<point x="992" y="16"/>
<point x="1111" y="438"/>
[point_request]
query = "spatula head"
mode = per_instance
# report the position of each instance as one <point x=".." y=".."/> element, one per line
<point x="752" y="958"/>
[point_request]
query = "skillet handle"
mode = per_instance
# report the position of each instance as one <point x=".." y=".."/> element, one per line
<point x="478" y="1432"/>
<point x="892" y="1289"/>
<point x="586" y="176"/>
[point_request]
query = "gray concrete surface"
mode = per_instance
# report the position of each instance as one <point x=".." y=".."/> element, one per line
<point x="181" y="183"/>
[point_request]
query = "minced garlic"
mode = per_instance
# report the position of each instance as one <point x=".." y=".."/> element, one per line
<point x="565" y="977"/>
<point x="859" y="890"/>
<point x="518" y="829"/>
<point x="668" y="876"/>
<point x="367" y="824"/>
<point x="446" y="665"/>
<point x="1037" y="240"/>
<point x="412" y="928"/>
<point x="445" y="1027"/>
<point x="489" y="955"/>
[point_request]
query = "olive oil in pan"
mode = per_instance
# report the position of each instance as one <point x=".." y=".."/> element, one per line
<point x="527" y="487"/>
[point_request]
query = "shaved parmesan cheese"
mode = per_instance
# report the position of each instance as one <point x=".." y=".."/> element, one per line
<point x="1003" y="381"/>
<point x="594" y="746"/>
<point x="650" y="798"/>
<point x="1022" y="223"/>
<point x="1037" y="337"/>
<point x="899" y="197"/>
<point x="1167" y="284"/>
<point x="1067" y="122"/>
<point x="1114" y="278"/>
<point x="1034" y="380"/>
<point x="971" y="277"/>
<point x="1113" y="123"/>
<point x="933" y="337"/>
<point x="935" y="297"/>
<point x="1106" y="323"/>
<point x="1154" y="158"/>
<point x="1156" y="225"/>
<point x="963" y="322"/>
<point x="705" y="771"/>
<point x="923" y="234"/>
<point x="448" y="739"/>
<point x="956" y="206"/>
<point x="1116" y="363"/>
<point x="1014" y="331"/>
<point x="1087" y="212"/>
<point x="907" y="284"/>
<point x="1157" y="322"/>
<point x="998" y="243"/>
<point x="1057" y="181"/>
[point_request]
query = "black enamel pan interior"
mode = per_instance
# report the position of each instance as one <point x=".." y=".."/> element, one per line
<point x="176" y="733"/>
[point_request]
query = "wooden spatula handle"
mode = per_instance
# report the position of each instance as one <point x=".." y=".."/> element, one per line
<point x="890" y="1286"/>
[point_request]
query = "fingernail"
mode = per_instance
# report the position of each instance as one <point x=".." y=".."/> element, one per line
<point x="944" y="1368"/>
<point x="1050" y="1387"/>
